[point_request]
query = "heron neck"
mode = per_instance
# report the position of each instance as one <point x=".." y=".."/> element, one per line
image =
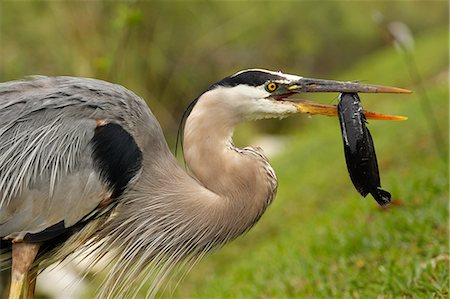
<point x="242" y="178"/>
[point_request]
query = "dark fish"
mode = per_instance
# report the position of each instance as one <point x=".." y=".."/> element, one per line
<point x="359" y="149"/>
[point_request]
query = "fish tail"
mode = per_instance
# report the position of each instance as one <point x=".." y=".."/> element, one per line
<point x="382" y="197"/>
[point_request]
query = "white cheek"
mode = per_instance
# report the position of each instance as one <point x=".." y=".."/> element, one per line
<point x="244" y="102"/>
<point x="241" y="99"/>
<point x="253" y="103"/>
<point x="265" y="108"/>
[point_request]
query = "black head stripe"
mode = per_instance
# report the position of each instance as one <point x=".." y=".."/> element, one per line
<point x="251" y="78"/>
<point x="116" y="155"/>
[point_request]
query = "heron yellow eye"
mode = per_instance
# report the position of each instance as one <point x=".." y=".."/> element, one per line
<point x="271" y="87"/>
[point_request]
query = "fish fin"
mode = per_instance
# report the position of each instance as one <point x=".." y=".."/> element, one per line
<point x="382" y="197"/>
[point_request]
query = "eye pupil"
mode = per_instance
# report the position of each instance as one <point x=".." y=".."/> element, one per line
<point x="271" y="86"/>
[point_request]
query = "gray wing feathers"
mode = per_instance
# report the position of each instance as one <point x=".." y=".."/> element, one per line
<point x="34" y="150"/>
<point x="46" y="171"/>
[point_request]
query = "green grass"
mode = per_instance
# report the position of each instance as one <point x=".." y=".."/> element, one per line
<point x="320" y="239"/>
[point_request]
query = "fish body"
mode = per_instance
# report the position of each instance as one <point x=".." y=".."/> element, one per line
<point x="359" y="149"/>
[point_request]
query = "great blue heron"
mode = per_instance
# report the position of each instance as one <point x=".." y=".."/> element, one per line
<point x="84" y="164"/>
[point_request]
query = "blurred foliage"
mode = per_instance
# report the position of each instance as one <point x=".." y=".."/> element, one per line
<point x="328" y="243"/>
<point x="168" y="52"/>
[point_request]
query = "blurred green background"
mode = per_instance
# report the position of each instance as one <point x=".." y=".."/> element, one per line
<point x="319" y="239"/>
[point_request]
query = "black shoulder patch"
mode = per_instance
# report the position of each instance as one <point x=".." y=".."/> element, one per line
<point x="53" y="236"/>
<point x="251" y="78"/>
<point x="116" y="156"/>
<point x="47" y="234"/>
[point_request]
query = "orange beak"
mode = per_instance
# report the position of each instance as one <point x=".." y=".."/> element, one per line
<point x="309" y="107"/>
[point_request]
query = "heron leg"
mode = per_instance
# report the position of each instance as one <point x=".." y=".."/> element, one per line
<point x="23" y="255"/>
<point x="30" y="283"/>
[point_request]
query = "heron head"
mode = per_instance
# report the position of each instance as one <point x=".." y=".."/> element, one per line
<point x="256" y="94"/>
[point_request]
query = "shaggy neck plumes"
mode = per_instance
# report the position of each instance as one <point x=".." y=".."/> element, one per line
<point x="182" y="217"/>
